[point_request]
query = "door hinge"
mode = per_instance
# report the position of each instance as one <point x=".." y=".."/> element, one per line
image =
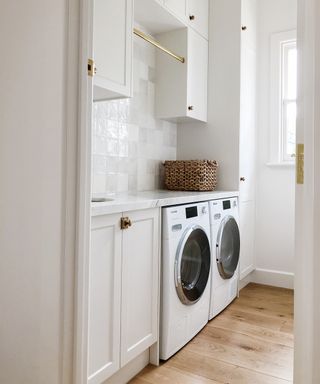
<point x="300" y="163"/>
<point x="92" y="70"/>
<point x="125" y="223"/>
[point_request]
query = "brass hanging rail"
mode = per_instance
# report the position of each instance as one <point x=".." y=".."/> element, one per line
<point x="157" y="44"/>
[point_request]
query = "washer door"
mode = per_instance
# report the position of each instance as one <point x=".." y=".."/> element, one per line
<point x="192" y="265"/>
<point x="228" y="247"/>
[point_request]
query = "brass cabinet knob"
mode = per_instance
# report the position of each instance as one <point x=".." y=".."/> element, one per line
<point x="242" y="179"/>
<point x="190" y="108"/>
<point x="192" y="17"/>
<point x="125" y="223"/>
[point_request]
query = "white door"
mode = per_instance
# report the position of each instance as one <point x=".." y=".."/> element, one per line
<point x="140" y="283"/>
<point x="104" y="298"/>
<point x="112" y="45"/>
<point x="197" y="62"/>
<point x="198" y="16"/>
<point x="307" y="261"/>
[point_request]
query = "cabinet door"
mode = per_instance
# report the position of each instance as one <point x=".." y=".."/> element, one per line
<point x="197" y="76"/>
<point x="198" y="16"/>
<point x="178" y="7"/>
<point x="104" y="298"/>
<point x="112" y="45"/>
<point x="246" y="219"/>
<point x="248" y="118"/>
<point x="140" y="284"/>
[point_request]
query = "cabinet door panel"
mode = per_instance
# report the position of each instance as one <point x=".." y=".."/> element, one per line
<point x="248" y="119"/>
<point x="140" y="280"/>
<point x="247" y="218"/>
<point x="178" y="7"/>
<point x="104" y="298"/>
<point x="197" y="76"/>
<point x="198" y="16"/>
<point x="112" y="35"/>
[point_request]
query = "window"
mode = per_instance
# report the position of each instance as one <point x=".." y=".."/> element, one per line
<point x="283" y="94"/>
<point x="289" y="99"/>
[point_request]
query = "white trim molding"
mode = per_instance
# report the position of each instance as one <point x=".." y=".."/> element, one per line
<point x="307" y="282"/>
<point x="279" y="279"/>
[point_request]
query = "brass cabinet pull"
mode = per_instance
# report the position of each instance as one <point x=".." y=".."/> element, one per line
<point x="125" y="223"/>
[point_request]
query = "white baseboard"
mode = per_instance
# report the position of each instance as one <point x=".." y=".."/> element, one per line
<point x="130" y="370"/>
<point x="245" y="281"/>
<point x="274" y="278"/>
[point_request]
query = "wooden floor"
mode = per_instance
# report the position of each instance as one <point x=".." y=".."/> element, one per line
<point x="251" y="342"/>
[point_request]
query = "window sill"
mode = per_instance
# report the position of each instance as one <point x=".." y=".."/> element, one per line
<point x="282" y="165"/>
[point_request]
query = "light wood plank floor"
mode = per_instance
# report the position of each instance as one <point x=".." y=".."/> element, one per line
<point x="251" y="342"/>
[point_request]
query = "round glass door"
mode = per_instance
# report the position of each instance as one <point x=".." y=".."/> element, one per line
<point x="228" y="247"/>
<point x="192" y="265"/>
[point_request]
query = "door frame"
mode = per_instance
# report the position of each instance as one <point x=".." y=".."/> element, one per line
<point x="83" y="219"/>
<point x="307" y="284"/>
<point x="307" y="220"/>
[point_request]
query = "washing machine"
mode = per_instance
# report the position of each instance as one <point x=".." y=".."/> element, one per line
<point x="186" y="275"/>
<point x="225" y="240"/>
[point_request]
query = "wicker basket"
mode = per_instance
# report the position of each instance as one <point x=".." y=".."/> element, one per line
<point x="191" y="175"/>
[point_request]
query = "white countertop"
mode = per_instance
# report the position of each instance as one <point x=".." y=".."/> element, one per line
<point x="123" y="202"/>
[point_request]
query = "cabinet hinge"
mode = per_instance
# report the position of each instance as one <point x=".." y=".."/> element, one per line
<point x="92" y="70"/>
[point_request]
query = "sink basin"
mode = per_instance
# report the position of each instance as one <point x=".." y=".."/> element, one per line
<point x="101" y="199"/>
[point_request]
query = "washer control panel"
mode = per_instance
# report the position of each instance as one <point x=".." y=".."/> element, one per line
<point x="223" y="207"/>
<point x="177" y="218"/>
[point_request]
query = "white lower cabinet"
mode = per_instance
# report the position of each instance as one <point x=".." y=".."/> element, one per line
<point x="247" y="220"/>
<point x="104" y="298"/>
<point x="140" y="280"/>
<point x="123" y="291"/>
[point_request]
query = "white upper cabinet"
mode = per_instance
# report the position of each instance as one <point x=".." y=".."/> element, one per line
<point x="197" y="77"/>
<point x="112" y="47"/>
<point x="198" y="16"/>
<point x="248" y="118"/>
<point x="194" y="13"/>
<point x="181" y="92"/>
<point x="178" y="7"/>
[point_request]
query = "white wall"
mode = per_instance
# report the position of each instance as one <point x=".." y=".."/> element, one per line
<point x="33" y="190"/>
<point x="129" y="143"/>
<point x="275" y="189"/>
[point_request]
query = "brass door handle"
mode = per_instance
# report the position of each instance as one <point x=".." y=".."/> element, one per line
<point x="125" y="223"/>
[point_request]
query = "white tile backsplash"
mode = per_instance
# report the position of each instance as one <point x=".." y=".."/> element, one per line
<point x="129" y="144"/>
